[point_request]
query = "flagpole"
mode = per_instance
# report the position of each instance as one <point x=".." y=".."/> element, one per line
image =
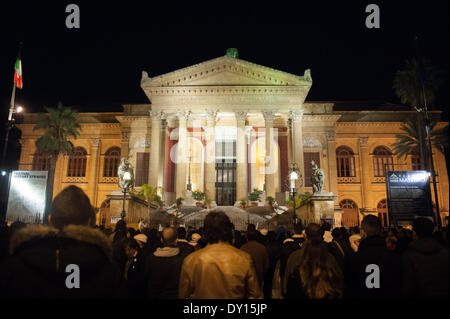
<point x="10" y="115"/>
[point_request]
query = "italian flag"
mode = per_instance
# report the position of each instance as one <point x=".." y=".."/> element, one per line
<point x="18" y="74"/>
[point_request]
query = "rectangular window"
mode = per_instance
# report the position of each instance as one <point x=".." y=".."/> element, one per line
<point x="307" y="158"/>
<point x="142" y="162"/>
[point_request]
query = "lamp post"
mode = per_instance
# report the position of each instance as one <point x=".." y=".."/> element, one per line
<point x="293" y="176"/>
<point x="9" y="126"/>
<point x="128" y="182"/>
<point x="189" y="185"/>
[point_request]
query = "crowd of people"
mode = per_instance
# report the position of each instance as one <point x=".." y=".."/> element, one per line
<point x="217" y="261"/>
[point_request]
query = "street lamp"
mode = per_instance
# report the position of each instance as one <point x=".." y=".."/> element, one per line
<point x="293" y="176"/>
<point x="128" y="182"/>
<point x="9" y="126"/>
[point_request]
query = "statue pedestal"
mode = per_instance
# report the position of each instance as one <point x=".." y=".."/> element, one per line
<point x="319" y="206"/>
<point x="189" y="201"/>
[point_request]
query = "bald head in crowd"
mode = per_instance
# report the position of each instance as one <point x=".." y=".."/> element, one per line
<point x="169" y="236"/>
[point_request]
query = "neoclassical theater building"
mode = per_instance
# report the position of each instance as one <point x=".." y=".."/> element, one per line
<point x="228" y="126"/>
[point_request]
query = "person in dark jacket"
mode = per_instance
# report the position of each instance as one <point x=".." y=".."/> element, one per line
<point x="118" y="243"/>
<point x="68" y="259"/>
<point x="163" y="268"/>
<point x="372" y="253"/>
<point x="134" y="269"/>
<point x="273" y="249"/>
<point x="182" y="243"/>
<point x="425" y="264"/>
<point x="288" y="246"/>
<point x="259" y="254"/>
<point x="340" y="247"/>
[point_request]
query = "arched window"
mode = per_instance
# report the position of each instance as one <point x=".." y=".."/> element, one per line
<point x="382" y="211"/>
<point x="350" y="213"/>
<point x="345" y="162"/>
<point x="41" y="162"/>
<point x="382" y="160"/>
<point x="77" y="163"/>
<point x="111" y="162"/>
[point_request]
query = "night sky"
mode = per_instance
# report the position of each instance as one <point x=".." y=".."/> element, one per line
<point x="98" y="67"/>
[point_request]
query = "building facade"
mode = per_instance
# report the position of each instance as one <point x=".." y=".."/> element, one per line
<point x="226" y="127"/>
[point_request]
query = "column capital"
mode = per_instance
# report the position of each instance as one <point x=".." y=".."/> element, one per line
<point x="125" y="135"/>
<point x="296" y="115"/>
<point x="331" y="136"/>
<point x="241" y="115"/>
<point x="184" y="115"/>
<point x="363" y="141"/>
<point x="268" y="115"/>
<point x="211" y="115"/>
<point x="95" y="142"/>
<point x="157" y="115"/>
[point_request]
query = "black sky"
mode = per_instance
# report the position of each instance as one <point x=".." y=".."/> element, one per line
<point x="98" y="67"/>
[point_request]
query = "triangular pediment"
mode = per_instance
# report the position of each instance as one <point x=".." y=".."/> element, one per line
<point x="226" y="71"/>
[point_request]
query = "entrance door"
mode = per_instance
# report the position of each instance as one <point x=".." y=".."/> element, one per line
<point x="383" y="213"/>
<point x="349" y="214"/>
<point x="225" y="183"/>
<point x="225" y="173"/>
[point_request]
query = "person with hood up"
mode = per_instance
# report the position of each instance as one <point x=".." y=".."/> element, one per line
<point x="425" y="264"/>
<point x="68" y="259"/>
<point x="163" y="268"/>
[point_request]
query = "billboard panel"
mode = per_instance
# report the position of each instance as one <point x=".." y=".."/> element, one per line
<point x="26" y="201"/>
<point x="409" y="195"/>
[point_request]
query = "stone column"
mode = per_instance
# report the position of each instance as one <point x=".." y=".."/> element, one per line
<point x="183" y="117"/>
<point x="93" y="175"/>
<point x="124" y="147"/>
<point x="210" y="157"/>
<point x="270" y="169"/>
<point x="332" y="167"/>
<point x="155" y="149"/>
<point x="297" y="145"/>
<point x="241" y="157"/>
<point x="169" y="169"/>
<point x="162" y="153"/>
<point x="365" y="173"/>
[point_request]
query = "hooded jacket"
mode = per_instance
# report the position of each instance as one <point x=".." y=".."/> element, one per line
<point x="425" y="270"/>
<point x="219" y="271"/>
<point x="39" y="258"/>
<point x="162" y="272"/>
<point x="372" y="251"/>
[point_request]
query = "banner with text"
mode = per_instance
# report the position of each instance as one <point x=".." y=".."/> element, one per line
<point x="26" y="201"/>
<point x="409" y="195"/>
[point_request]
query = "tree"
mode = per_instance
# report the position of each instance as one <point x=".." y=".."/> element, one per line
<point x="59" y="125"/>
<point x="408" y="87"/>
<point x="408" y="143"/>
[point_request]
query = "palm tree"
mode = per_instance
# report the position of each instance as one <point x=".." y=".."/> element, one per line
<point x="409" y="142"/>
<point x="59" y="124"/>
<point x="408" y="87"/>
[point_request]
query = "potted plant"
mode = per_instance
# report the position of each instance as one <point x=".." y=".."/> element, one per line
<point x="254" y="197"/>
<point x="243" y="204"/>
<point x="179" y="201"/>
<point x="199" y="197"/>
<point x="208" y="203"/>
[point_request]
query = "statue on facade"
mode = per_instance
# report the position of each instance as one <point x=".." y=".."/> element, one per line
<point x="317" y="177"/>
<point x="125" y="180"/>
